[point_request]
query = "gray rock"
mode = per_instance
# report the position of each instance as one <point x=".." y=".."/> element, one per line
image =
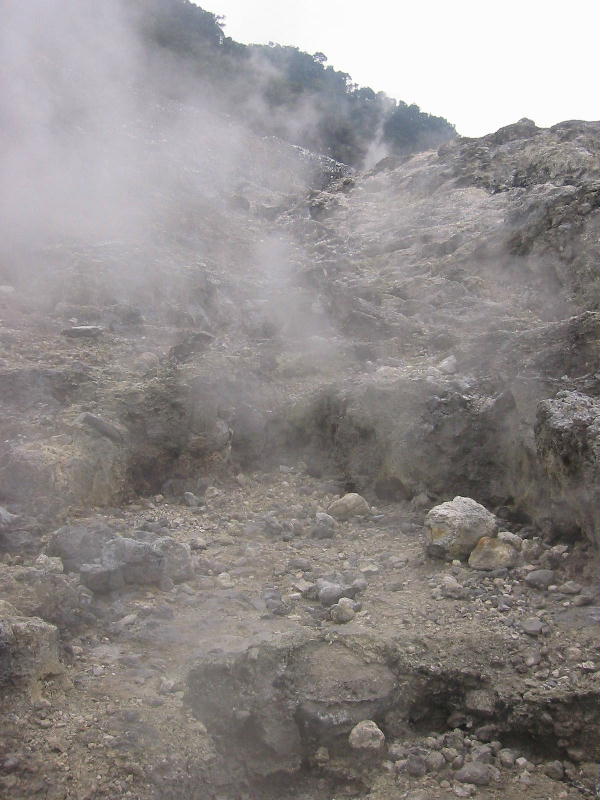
<point x="366" y="736"/>
<point x="342" y="611"/>
<point x="435" y="761"/>
<point x="348" y="506"/>
<point x="416" y="766"/>
<point x="554" y="770"/>
<point x="101" y="426"/>
<point x="540" y="578"/>
<point x="482" y="754"/>
<point x="329" y="593"/>
<point x="7" y="519"/>
<point x="53" y="597"/>
<point x="138" y="561"/>
<point x="532" y="626"/>
<point x="490" y="554"/>
<point x="49" y="563"/>
<point x="83" y="332"/>
<point x="507" y="757"/>
<point x="79" y="544"/>
<point x="567" y="435"/>
<point x="476" y="773"/>
<point x="511" y="538"/>
<point x="449" y="754"/>
<point x="191" y="500"/>
<point x="176" y="558"/>
<point x="481" y="701"/>
<point x="101" y="579"/>
<point x="570" y="588"/>
<point x="451" y="588"/>
<point x="324" y="527"/>
<point x="453" y="529"/>
<point x="29" y="652"/>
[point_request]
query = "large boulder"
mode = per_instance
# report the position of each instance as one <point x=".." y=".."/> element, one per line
<point x="567" y="435"/>
<point x="453" y="529"/>
<point x="29" y="651"/>
<point x="176" y="558"/>
<point x="54" y="597"/>
<point x="138" y="562"/>
<point x="79" y="544"/>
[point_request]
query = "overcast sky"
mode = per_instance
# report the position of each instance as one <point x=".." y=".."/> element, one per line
<point x="480" y="64"/>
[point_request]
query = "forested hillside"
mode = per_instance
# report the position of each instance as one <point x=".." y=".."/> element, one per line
<point x="283" y="91"/>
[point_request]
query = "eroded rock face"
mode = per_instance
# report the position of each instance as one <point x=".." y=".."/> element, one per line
<point x="567" y="435"/>
<point x="54" y="597"/>
<point x="453" y="529"/>
<point x="29" y="652"/>
<point x="271" y="705"/>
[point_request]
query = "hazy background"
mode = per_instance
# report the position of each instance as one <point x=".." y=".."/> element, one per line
<point x="480" y="65"/>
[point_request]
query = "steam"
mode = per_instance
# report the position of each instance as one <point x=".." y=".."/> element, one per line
<point x="105" y="138"/>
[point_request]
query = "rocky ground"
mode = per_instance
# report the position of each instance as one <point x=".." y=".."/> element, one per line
<point x="229" y="569"/>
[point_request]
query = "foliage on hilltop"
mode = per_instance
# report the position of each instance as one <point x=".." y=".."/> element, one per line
<point x="283" y="91"/>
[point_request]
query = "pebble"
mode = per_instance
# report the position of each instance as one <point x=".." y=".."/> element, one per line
<point x="225" y="581"/>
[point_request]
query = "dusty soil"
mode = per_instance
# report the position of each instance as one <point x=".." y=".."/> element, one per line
<point x="118" y="722"/>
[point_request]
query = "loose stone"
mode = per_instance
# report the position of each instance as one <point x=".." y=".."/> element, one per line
<point x="366" y="736"/>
